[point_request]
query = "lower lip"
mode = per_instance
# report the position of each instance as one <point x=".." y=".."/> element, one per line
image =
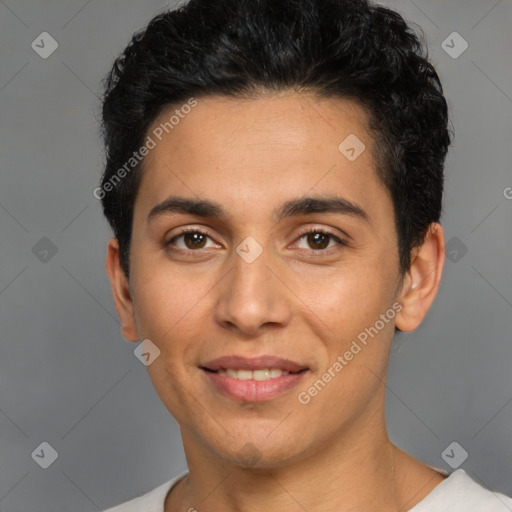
<point x="254" y="390"/>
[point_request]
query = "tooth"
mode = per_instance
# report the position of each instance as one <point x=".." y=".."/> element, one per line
<point x="261" y="374"/>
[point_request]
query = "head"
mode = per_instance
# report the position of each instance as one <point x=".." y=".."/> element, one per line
<point x="257" y="117"/>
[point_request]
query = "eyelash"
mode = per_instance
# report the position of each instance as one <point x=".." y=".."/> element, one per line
<point x="194" y="252"/>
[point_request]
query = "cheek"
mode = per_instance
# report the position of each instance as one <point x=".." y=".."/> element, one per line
<point x="346" y="304"/>
<point x="346" y="309"/>
<point x="167" y="301"/>
<point x="350" y="292"/>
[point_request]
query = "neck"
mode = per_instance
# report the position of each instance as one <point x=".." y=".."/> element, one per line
<point x="360" y="471"/>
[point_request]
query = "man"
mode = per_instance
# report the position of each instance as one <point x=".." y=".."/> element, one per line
<point x="274" y="181"/>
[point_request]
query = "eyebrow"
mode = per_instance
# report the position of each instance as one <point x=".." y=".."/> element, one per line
<point x="292" y="208"/>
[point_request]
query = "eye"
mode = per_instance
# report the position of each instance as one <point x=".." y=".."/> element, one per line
<point x="192" y="238"/>
<point x="319" y="240"/>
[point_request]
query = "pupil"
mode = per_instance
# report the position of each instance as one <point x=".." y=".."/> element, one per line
<point x="197" y="237"/>
<point x="316" y="239"/>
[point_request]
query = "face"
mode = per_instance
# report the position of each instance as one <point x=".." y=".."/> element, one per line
<point x="289" y="252"/>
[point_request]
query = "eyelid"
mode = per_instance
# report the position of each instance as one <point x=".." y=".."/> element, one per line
<point x="323" y="229"/>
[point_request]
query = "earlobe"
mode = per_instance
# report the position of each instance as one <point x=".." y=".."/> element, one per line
<point x="121" y="291"/>
<point x="423" y="279"/>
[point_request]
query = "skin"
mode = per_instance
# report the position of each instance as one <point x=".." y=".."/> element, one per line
<point x="298" y="300"/>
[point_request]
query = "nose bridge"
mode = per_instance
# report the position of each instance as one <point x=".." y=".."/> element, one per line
<point x="251" y="295"/>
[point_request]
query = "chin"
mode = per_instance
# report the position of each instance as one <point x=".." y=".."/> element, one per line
<point x="261" y="450"/>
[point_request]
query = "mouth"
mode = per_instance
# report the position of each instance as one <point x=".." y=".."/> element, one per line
<point x="258" y="375"/>
<point x="253" y="379"/>
<point x="262" y="362"/>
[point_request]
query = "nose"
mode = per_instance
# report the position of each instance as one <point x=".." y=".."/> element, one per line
<point x="253" y="296"/>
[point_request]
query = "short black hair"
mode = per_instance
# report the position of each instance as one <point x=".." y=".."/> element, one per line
<point x="351" y="49"/>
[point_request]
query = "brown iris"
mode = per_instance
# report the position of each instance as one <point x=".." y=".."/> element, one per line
<point x="318" y="240"/>
<point x="197" y="240"/>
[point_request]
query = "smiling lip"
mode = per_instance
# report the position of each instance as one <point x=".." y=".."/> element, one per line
<point x="253" y="390"/>
<point x="255" y="363"/>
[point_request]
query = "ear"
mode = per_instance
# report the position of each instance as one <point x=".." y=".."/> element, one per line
<point x="422" y="281"/>
<point x="121" y="291"/>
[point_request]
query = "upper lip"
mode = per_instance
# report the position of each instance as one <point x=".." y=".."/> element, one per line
<point x="255" y="363"/>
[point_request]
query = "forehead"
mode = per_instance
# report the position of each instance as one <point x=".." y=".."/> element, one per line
<point x="286" y="118"/>
<point x="255" y="149"/>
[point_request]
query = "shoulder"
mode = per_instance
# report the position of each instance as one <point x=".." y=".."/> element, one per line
<point x="152" y="501"/>
<point x="460" y="493"/>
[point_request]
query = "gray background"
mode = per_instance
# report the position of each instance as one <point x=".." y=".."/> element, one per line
<point x="67" y="377"/>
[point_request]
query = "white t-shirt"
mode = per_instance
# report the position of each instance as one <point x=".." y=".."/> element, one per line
<point x="456" y="493"/>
